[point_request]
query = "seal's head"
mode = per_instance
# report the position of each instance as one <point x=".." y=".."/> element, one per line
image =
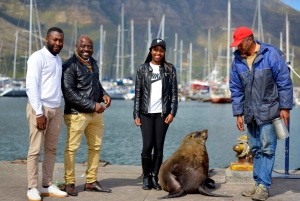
<point x="198" y="137"/>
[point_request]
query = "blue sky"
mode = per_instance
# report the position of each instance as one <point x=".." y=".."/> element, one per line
<point x="293" y="3"/>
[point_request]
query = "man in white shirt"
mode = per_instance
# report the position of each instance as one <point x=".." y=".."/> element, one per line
<point x="44" y="115"/>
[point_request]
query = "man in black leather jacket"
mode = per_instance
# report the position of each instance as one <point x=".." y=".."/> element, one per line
<point x="83" y="113"/>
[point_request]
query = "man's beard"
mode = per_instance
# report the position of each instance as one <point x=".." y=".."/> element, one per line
<point x="51" y="49"/>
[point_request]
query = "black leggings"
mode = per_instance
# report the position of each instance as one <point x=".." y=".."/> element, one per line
<point x="154" y="130"/>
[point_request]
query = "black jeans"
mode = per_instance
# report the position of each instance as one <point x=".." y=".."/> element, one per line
<point x="154" y="130"/>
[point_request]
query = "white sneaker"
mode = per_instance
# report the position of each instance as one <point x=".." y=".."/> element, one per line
<point x="53" y="191"/>
<point x="33" y="195"/>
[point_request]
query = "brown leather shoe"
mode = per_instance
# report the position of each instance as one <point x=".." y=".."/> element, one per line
<point x="95" y="186"/>
<point x="71" y="190"/>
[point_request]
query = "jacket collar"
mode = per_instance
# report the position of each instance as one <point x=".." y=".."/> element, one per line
<point x="49" y="53"/>
<point x="92" y="59"/>
<point x="263" y="47"/>
<point x="149" y="68"/>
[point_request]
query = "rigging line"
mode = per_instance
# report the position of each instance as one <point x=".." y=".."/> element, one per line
<point x="254" y="18"/>
<point x="21" y="13"/>
<point x="294" y="71"/>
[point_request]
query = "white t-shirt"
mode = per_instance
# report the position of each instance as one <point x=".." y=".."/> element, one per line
<point x="43" y="80"/>
<point x="155" y="105"/>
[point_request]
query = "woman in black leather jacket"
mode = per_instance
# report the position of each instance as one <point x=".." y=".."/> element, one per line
<point x="155" y="106"/>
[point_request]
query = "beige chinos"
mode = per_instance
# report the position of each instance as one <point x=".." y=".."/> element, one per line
<point x="39" y="138"/>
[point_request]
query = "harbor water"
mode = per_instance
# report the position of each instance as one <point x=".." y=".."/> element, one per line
<point x="122" y="142"/>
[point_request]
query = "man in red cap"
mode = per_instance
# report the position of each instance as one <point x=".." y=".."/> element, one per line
<point x="261" y="90"/>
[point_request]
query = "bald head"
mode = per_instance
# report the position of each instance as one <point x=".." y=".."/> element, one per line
<point x="84" y="46"/>
<point x="85" y="38"/>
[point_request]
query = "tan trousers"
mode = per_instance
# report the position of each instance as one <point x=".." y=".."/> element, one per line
<point x="92" y="125"/>
<point x="38" y="138"/>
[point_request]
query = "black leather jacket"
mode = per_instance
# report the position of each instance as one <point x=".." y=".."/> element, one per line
<point x="143" y="87"/>
<point x="81" y="88"/>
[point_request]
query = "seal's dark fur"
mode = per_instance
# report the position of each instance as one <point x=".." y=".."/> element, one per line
<point x="186" y="171"/>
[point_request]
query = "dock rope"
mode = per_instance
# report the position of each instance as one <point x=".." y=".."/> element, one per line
<point x="246" y="149"/>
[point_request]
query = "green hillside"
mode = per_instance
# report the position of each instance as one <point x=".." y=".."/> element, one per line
<point x="190" y="19"/>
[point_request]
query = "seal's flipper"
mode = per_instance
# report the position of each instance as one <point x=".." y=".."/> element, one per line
<point x="210" y="183"/>
<point x="203" y="192"/>
<point x="172" y="195"/>
<point x="171" y="185"/>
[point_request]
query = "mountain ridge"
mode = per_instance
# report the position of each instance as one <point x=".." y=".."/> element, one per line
<point x="189" y="19"/>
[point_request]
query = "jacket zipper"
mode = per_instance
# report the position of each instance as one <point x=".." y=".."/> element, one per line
<point x="149" y="75"/>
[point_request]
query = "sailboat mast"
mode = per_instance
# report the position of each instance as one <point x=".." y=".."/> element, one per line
<point x="118" y="52"/>
<point x="287" y="38"/>
<point x="292" y="61"/>
<point x="103" y="43"/>
<point x="280" y="45"/>
<point x="74" y="37"/>
<point x="101" y="53"/>
<point x="190" y="64"/>
<point x="149" y="34"/>
<point x="204" y="64"/>
<point x="30" y="27"/>
<point x="228" y="40"/>
<point x="258" y="21"/>
<point x="149" y="38"/>
<point x="175" y="50"/>
<point x="209" y="53"/>
<point x="35" y="37"/>
<point x="218" y="61"/>
<point x="287" y="24"/>
<point x="122" y="42"/>
<point x="132" y="48"/>
<point x="187" y="68"/>
<point x="15" y="55"/>
<point x="181" y="44"/>
<point x="75" y="29"/>
<point x="161" y="30"/>
<point x="38" y="23"/>
<point x="25" y="64"/>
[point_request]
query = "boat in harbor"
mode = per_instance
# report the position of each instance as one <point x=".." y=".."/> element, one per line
<point x="199" y="90"/>
<point x="122" y="89"/>
<point x="130" y="93"/>
<point x="220" y="93"/>
<point x="117" y="92"/>
<point x="15" y="88"/>
<point x="4" y="81"/>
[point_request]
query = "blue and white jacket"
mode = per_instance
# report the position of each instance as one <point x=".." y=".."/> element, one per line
<point x="260" y="93"/>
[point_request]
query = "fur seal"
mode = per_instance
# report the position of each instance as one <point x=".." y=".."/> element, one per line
<point x="186" y="171"/>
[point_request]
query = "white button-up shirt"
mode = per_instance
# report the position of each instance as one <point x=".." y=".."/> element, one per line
<point x="43" y="80"/>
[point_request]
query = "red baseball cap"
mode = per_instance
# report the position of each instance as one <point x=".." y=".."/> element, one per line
<point x="239" y="35"/>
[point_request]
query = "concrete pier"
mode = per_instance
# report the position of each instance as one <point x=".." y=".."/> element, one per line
<point x="126" y="182"/>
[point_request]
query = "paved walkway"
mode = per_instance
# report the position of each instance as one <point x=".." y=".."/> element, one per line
<point x="126" y="182"/>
